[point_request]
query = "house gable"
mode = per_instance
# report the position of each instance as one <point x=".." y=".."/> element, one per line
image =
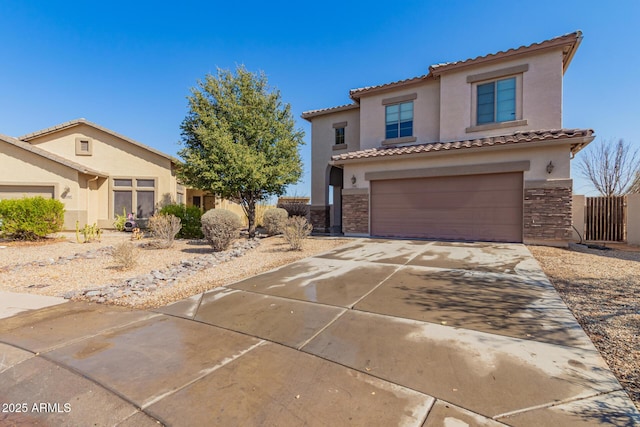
<point x="110" y="171"/>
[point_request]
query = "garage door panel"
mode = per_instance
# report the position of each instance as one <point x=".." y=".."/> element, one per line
<point x="447" y="200"/>
<point x="20" y="191"/>
<point x="478" y="207"/>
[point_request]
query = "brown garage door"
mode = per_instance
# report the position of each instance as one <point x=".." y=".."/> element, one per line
<point x="471" y="207"/>
<point x="20" y="191"/>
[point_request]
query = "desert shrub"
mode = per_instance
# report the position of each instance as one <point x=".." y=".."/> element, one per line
<point x="274" y="220"/>
<point x="295" y="208"/>
<point x="31" y="218"/>
<point x="164" y="229"/>
<point x="296" y="230"/>
<point x="220" y="227"/>
<point x="189" y="218"/>
<point x="125" y="255"/>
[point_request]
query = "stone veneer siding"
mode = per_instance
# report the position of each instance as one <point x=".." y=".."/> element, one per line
<point x="547" y="214"/>
<point x="355" y="213"/>
<point x="319" y="217"/>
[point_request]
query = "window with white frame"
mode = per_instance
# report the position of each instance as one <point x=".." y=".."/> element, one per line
<point x="399" y="120"/>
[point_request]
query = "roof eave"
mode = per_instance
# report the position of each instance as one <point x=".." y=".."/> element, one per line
<point x="574" y="143"/>
<point x="572" y="40"/>
<point x="308" y="115"/>
<point x="356" y="94"/>
<point x="572" y="51"/>
<point x="83" y="121"/>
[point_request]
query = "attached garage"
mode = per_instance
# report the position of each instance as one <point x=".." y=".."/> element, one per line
<point x="20" y="191"/>
<point x="485" y="207"/>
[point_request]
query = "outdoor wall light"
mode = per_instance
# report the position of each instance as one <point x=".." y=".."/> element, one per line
<point x="65" y="192"/>
<point x="353" y="179"/>
<point x="550" y="167"/>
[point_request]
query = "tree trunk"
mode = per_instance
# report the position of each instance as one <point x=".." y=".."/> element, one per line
<point x="251" y="217"/>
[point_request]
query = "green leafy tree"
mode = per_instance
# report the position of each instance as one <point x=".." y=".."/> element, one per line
<point x="240" y="140"/>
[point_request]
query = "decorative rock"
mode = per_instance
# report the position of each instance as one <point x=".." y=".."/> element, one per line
<point x="143" y="285"/>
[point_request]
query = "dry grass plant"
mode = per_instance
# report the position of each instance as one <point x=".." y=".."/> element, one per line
<point x="125" y="255"/>
<point x="296" y="230"/>
<point x="164" y="229"/>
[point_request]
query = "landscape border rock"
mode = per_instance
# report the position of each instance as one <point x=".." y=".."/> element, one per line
<point x="143" y="285"/>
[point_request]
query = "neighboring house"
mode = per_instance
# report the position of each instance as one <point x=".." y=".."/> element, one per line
<point x="94" y="171"/>
<point x="473" y="150"/>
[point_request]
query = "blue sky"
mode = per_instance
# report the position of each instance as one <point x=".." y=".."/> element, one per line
<point x="129" y="66"/>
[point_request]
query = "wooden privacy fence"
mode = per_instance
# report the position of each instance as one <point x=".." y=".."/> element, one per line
<point x="605" y="219"/>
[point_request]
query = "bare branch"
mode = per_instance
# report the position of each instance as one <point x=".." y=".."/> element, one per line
<point x="612" y="167"/>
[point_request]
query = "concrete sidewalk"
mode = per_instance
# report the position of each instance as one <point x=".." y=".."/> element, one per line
<point x="12" y="303"/>
<point x="378" y="332"/>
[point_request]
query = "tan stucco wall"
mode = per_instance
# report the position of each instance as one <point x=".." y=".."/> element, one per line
<point x="426" y="115"/>
<point x="633" y="219"/>
<point x="323" y="139"/>
<point x="539" y="157"/>
<point x="541" y="96"/>
<point x="117" y="158"/>
<point x="577" y="209"/>
<point x="20" y="167"/>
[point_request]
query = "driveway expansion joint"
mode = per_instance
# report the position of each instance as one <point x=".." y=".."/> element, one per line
<point x="554" y="404"/>
<point x="152" y="400"/>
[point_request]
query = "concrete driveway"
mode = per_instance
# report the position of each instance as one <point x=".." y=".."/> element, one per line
<point x="378" y="332"/>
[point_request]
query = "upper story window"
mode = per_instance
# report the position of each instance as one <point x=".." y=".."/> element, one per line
<point x="496" y="101"/>
<point x="399" y="120"/>
<point x="339" y="136"/>
<point x="340" y="142"/>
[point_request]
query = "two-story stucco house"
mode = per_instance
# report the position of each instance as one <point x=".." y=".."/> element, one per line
<point x="473" y="150"/>
<point x="95" y="172"/>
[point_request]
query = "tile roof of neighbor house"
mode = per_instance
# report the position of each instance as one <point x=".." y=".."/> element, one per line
<point x="53" y="157"/>
<point x="82" y="121"/>
<point x="581" y="136"/>
<point x="312" y="113"/>
<point x="569" y="41"/>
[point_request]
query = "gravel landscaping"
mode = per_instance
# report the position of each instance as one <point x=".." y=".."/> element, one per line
<point x="86" y="271"/>
<point x="602" y="289"/>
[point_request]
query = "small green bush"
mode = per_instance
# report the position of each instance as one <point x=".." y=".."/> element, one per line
<point x="118" y="223"/>
<point x="31" y="218"/>
<point x="274" y="220"/>
<point x="189" y="218"/>
<point x="220" y="228"/>
<point x="296" y="230"/>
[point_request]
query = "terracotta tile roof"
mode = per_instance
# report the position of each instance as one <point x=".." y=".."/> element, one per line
<point x="570" y="41"/>
<point x="354" y="93"/>
<point x="81" y="121"/>
<point x="524" y="137"/>
<point x="312" y="113"/>
<point x="53" y="157"/>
